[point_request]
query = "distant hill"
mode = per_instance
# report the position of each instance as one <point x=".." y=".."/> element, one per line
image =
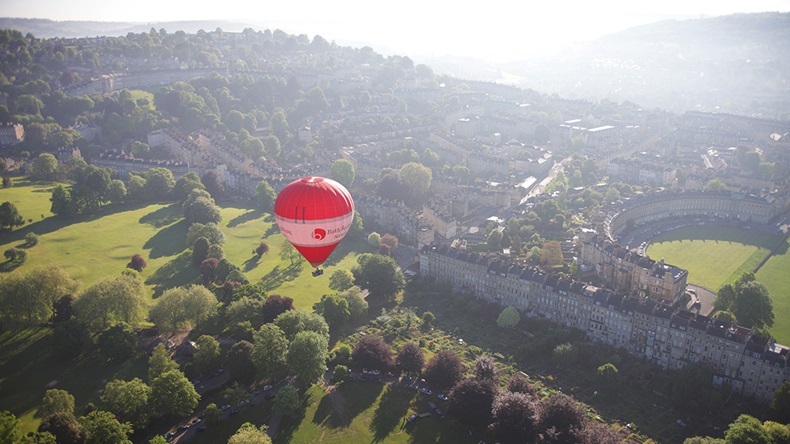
<point x="736" y="63"/>
<point x="44" y="28"/>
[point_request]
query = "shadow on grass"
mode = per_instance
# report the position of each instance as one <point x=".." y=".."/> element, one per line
<point x="7" y="266"/>
<point x="245" y="217"/>
<point x="175" y="273"/>
<point x="392" y="408"/>
<point x="29" y="366"/>
<point x="168" y="241"/>
<point x="278" y="276"/>
<point x="163" y="216"/>
<point x="251" y="263"/>
<point x="722" y="234"/>
<point x="340" y="407"/>
<point x="55" y="223"/>
<point x="290" y="424"/>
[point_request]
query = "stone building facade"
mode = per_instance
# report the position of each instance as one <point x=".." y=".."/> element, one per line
<point x="648" y="329"/>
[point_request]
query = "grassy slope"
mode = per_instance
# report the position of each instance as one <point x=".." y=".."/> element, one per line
<point x="712" y="255"/>
<point x="775" y="274"/>
<point x="368" y="412"/>
<point x="715" y="256"/>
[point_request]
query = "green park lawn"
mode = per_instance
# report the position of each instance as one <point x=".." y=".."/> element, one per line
<point x="775" y="274"/>
<point x="90" y="248"/>
<point x="715" y="256"/>
<point x="364" y="412"/>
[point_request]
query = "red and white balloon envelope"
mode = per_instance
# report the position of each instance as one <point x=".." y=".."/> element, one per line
<point x="314" y="214"/>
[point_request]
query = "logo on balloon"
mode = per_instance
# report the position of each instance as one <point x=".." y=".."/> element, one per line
<point x="319" y="234"/>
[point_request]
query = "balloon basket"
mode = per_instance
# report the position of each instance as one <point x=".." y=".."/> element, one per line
<point x="318" y="272"/>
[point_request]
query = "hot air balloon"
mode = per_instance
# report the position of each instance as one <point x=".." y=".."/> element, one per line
<point x="314" y="214"/>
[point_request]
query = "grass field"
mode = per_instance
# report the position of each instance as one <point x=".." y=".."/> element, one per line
<point x="93" y="247"/>
<point x="775" y="274"/>
<point x="365" y="412"/>
<point x="715" y="256"/>
<point x="25" y="372"/>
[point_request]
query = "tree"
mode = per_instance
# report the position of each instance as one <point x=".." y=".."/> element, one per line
<point x="262" y="249"/>
<point x="781" y="402"/>
<point x="173" y="394"/>
<point x="357" y="305"/>
<point x="777" y="433"/>
<point x="307" y="355"/>
<point x="269" y="350"/>
<point x="111" y="300"/>
<point x="137" y="263"/>
<point x="418" y="178"/>
<point x="179" y="308"/>
<point x="118" y="343"/>
<point x="563" y="416"/>
<point x="746" y="430"/>
<point x="101" y="427"/>
<point x="508" y="318"/>
<point x="160" y="362"/>
<point x="410" y="359"/>
<point x="31" y="239"/>
<point x="390" y="241"/>
<point x="117" y="191"/>
<point x="514" y="418"/>
<point x="443" y="370"/>
<point x="249" y="434"/>
<point x="428" y="318"/>
<point x="294" y="321"/>
<point x="715" y="185"/>
<point x="341" y="280"/>
<point x="212" y="414"/>
<point x="249" y="309"/>
<point x="187" y="184"/>
<point x="471" y="401"/>
<point x="202" y="211"/>
<point x="10" y="429"/>
<point x="608" y="373"/>
<point x="542" y="134"/>
<point x="44" y="167"/>
<point x="340" y="373"/>
<point x="565" y="354"/>
<point x="753" y="306"/>
<point x="594" y="433"/>
<point x="334" y="309"/>
<point x="286" y="401"/>
<point x="63" y="426"/>
<point x="213" y="183"/>
<point x="239" y="362"/>
<point x="518" y="383"/>
<point x="289" y="253"/>
<point x="159" y="183"/>
<point x="494" y="239"/>
<point x="374" y="239"/>
<point x="748" y="300"/>
<point x="200" y="250"/>
<point x="56" y="400"/>
<point x="265" y="195"/>
<point x="276" y="305"/>
<point x="28" y="298"/>
<point x="485" y="369"/>
<point x="381" y="276"/>
<point x="130" y="400"/>
<point x="207" y="356"/>
<point x="70" y="338"/>
<point x="373" y="353"/>
<point x="9" y="216"/>
<point x="551" y="254"/>
<point x="343" y="171"/>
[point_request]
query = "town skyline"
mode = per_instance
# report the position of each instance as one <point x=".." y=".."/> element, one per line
<point x="497" y="33"/>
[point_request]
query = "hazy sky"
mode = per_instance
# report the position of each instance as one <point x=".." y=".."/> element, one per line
<point x="495" y="29"/>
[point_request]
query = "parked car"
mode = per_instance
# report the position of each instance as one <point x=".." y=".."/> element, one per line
<point x="442" y="396"/>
